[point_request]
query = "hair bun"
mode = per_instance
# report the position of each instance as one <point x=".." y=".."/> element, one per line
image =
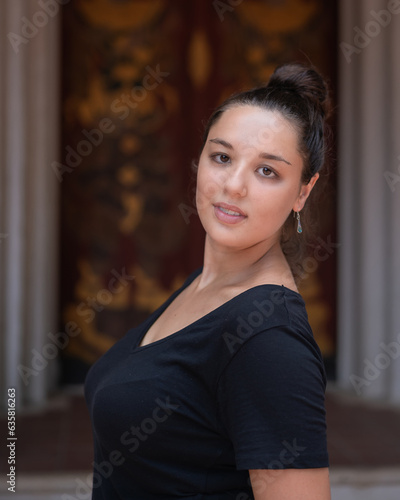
<point x="305" y="81"/>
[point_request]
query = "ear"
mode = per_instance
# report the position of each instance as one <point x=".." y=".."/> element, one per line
<point x="305" y="191"/>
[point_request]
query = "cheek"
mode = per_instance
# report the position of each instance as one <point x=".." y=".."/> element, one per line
<point x="274" y="205"/>
<point x="208" y="185"/>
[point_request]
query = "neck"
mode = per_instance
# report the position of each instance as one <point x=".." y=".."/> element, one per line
<point x="229" y="267"/>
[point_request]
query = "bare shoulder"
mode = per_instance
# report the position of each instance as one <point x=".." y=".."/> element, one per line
<point x="290" y="484"/>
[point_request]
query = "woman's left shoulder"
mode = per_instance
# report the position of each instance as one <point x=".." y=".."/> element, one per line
<point x="267" y="310"/>
<point x="266" y="306"/>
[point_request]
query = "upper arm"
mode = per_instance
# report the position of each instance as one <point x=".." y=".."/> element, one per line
<point x="271" y="400"/>
<point x="290" y="484"/>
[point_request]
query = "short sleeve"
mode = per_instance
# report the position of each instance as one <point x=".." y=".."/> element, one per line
<point x="271" y="399"/>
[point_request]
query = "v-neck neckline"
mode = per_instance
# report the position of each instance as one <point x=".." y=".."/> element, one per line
<point x="154" y="317"/>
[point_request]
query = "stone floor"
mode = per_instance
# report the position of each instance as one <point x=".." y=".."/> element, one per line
<point x="361" y="434"/>
<point x="54" y="449"/>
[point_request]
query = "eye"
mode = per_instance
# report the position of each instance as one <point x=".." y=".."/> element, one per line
<point x="220" y="158"/>
<point x="266" y="172"/>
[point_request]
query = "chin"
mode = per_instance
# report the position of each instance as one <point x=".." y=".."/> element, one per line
<point x="229" y="241"/>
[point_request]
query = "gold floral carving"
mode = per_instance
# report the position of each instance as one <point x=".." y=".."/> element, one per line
<point x="150" y="293"/>
<point x="90" y="342"/>
<point x="319" y="311"/>
<point x="268" y="18"/>
<point x="133" y="205"/>
<point x="120" y="15"/>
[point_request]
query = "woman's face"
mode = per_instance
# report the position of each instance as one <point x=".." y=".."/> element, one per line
<point x="249" y="178"/>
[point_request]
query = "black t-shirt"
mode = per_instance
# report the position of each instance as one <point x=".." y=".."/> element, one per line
<point x="188" y="415"/>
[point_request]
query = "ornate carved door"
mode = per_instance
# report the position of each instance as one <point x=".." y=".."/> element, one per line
<point x="139" y="77"/>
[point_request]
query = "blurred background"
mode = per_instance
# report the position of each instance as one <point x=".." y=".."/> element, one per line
<point x="102" y="109"/>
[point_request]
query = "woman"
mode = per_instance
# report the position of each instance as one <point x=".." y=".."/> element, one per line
<point x="220" y="393"/>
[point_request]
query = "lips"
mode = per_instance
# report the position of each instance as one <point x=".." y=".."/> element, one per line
<point x="230" y="209"/>
<point x="229" y="214"/>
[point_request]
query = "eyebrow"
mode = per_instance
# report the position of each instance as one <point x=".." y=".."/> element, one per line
<point x="269" y="156"/>
<point x="266" y="156"/>
<point x="222" y="142"/>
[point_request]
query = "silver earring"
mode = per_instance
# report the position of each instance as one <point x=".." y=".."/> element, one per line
<point x="299" y="228"/>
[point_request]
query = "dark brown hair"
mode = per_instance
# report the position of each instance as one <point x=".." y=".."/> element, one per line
<point x="301" y="95"/>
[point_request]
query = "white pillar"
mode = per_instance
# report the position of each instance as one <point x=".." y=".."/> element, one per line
<point x="394" y="204"/>
<point x="369" y="146"/>
<point x="347" y="209"/>
<point x="28" y="194"/>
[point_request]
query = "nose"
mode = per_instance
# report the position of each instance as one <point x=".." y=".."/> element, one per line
<point x="235" y="183"/>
